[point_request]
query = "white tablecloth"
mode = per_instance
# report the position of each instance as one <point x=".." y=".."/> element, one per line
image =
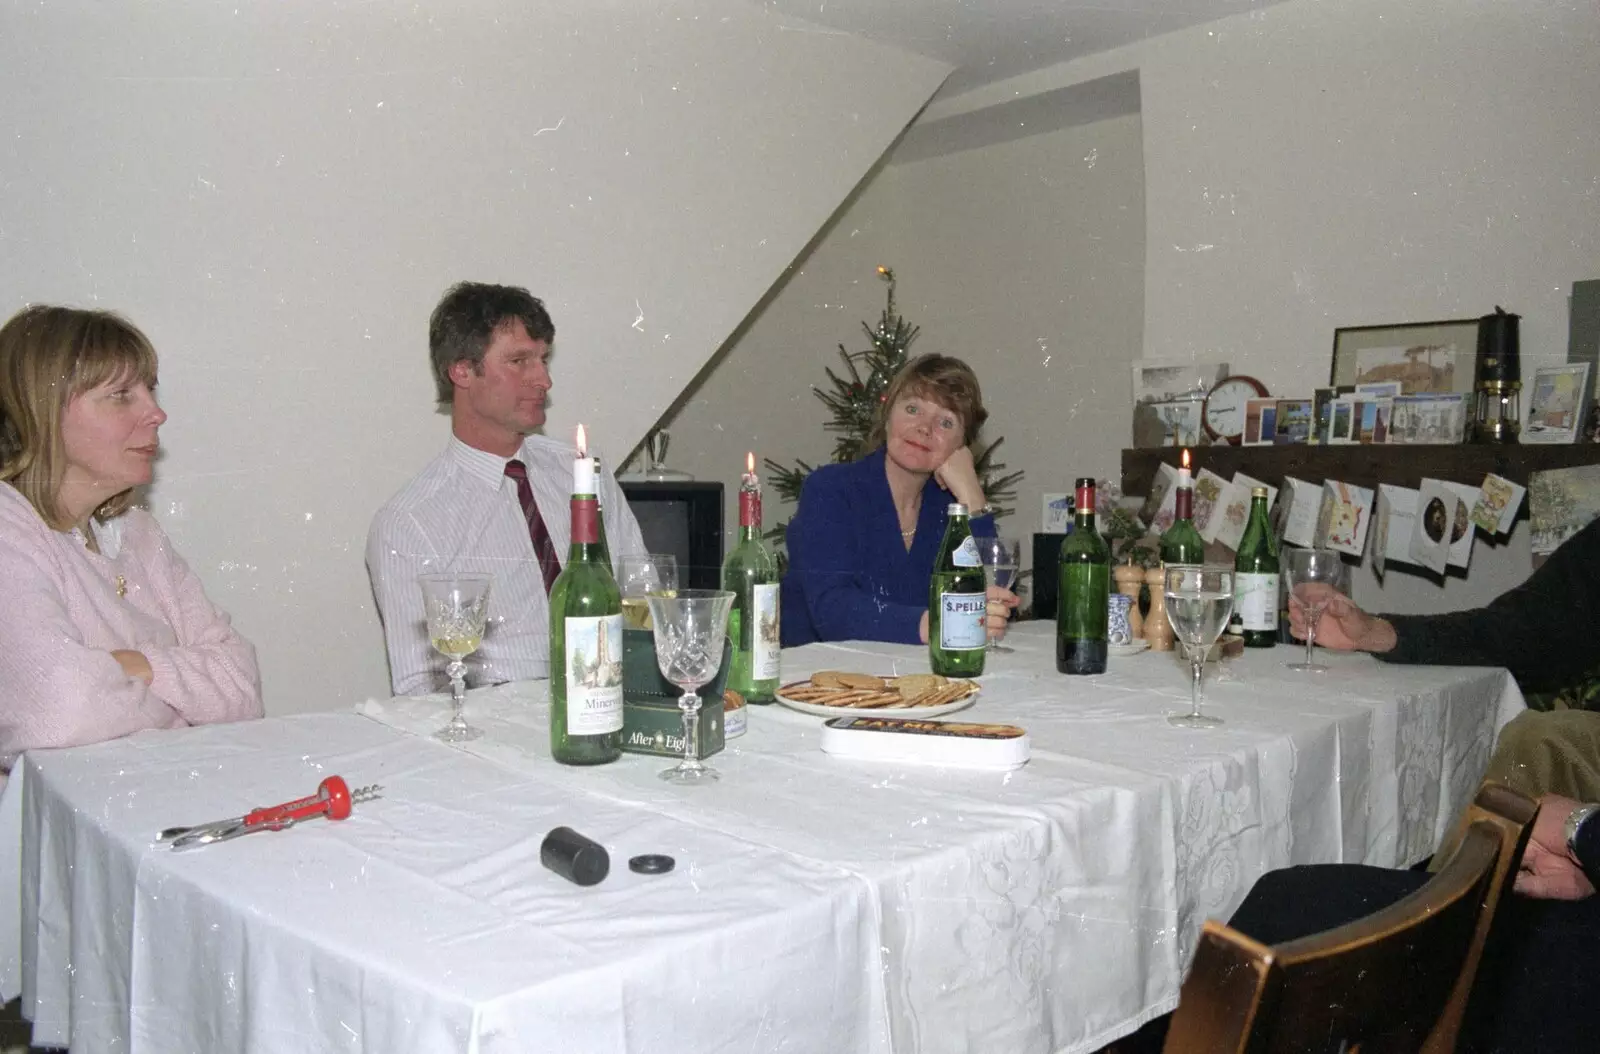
<point x="818" y="905"/>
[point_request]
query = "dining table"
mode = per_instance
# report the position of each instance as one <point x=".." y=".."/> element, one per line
<point x="817" y="904"/>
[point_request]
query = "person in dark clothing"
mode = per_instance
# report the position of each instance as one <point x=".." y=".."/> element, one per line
<point x="1545" y="631"/>
<point x="1526" y="996"/>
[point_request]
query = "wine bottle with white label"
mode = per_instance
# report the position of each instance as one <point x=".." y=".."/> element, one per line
<point x="957" y="601"/>
<point x="750" y="573"/>
<point x="585" y="642"/>
<point x="1255" y="576"/>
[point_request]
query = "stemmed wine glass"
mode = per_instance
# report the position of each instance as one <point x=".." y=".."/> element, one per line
<point x="643" y="574"/>
<point x="458" y="609"/>
<point x="1315" y="575"/>
<point x="1000" y="557"/>
<point x="1199" y="601"/>
<point x="689" y="629"/>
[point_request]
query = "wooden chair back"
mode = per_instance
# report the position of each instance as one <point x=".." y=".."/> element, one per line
<point x="1397" y="980"/>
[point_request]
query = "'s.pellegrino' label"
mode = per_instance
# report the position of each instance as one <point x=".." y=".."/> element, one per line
<point x="961" y="620"/>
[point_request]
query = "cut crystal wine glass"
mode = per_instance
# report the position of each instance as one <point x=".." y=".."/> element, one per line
<point x="1315" y="576"/>
<point x="1198" y="602"/>
<point x="457" y="605"/>
<point x="689" y="631"/>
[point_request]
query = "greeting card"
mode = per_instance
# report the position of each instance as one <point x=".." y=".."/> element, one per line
<point x="1297" y="508"/>
<point x="1160" y="495"/>
<point x="1208" y="488"/>
<point x="1392" y="525"/>
<point x="1342" y="519"/>
<point x="1235" y="514"/>
<point x="1461" y="532"/>
<point x="1431" y="533"/>
<point x="1498" y="501"/>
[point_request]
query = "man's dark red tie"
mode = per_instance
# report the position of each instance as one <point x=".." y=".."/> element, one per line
<point x="543" y="547"/>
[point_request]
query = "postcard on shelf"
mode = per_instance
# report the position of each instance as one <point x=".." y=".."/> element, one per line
<point x="1461" y="532"/>
<point x="1370" y="424"/>
<point x="1322" y="415"/>
<point x="1236" y="508"/>
<point x="1208" y="488"/>
<point x="1057" y="514"/>
<point x="1162" y="495"/>
<point x="1438" y="418"/>
<point x="1430" y="535"/>
<point x="1296" y="511"/>
<point x="1380" y="389"/>
<point x="1498" y="501"/>
<point x="1557" y="403"/>
<point x="1561" y="502"/>
<point x="1392" y="525"/>
<point x="1340" y="419"/>
<point x="1294" y="421"/>
<point x="1260" y="421"/>
<point x="1342" y="518"/>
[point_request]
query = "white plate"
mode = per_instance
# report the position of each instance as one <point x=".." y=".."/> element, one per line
<point x="817" y="710"/>
<point x="1128" y="649"/>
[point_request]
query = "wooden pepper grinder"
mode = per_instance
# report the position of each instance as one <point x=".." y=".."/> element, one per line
<point x="1157" y="630"/>
<point x="1130" y="578"/>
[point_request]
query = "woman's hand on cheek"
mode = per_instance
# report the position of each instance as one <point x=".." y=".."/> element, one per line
<point x="959" y="476"/>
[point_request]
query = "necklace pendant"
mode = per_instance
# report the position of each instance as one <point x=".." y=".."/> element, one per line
<point x="122" y="586"/>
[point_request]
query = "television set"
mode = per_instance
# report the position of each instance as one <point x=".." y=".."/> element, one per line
<point x="684" y="519"/>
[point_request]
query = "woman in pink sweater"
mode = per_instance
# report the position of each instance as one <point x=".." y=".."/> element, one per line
<point x="104" y="630"/>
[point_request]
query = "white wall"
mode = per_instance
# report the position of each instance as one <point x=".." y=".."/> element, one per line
<point x="1307" y="166"/>
<point x="278" y="193"/>
<point x="1023" y="258"/>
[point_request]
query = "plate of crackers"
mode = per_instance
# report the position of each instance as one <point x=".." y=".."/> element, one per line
<point x="832" y="693"/>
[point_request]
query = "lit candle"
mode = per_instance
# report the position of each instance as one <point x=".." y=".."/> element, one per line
<point x="583" y="466"/>
<point x="1184" y="478"/>
<point x="749" y="478"/>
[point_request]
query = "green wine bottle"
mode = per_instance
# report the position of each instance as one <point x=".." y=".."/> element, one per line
<point x="1181" y="543"/>
<point x="585" y="648"/>
<point x="1255" y="576"/>
<point x="750" y="573"/>
<point x="958" y="600"/>
<point x="1083" y="592"/>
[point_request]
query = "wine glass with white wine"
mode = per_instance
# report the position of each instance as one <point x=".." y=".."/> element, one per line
<point x="642" y="575"/>
<point x="457" y="605"/>
<point x="1199" y="601"/>
<point x="1000" y="558"/>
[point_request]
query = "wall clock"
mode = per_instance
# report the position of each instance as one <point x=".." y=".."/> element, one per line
<point x="1223" y="412"/>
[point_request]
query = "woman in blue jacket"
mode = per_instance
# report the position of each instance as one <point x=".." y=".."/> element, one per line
<point x="863" y="542"/>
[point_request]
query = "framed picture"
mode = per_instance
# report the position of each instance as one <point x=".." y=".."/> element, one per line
<point x="1556" y="403"/>
<point x="1157" y="381"/>
<point x="1424" y="358"/>
<point x="1175" y="423"/>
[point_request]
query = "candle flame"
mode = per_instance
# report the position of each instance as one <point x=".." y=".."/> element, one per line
<point x="583" y="441"/>
<point x="750" y="461"/>
<point x="1185" y="457"/>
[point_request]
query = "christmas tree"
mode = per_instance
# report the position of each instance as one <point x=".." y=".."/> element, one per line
<point x="854" y="398"/>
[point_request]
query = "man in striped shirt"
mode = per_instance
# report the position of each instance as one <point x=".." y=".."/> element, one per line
<point x="495" y="500"/>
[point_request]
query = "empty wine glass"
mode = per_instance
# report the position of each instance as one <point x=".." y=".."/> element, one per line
<point x="643" y="574"/>
<point x="1000" y="557"/>
<point x="689" y="629"/>
<point x="458" y="608"/>
<point x="1199" y="601"/>
<point x="1315" y="575"/>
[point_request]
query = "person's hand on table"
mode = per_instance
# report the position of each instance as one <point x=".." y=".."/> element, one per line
<point x="1547" y="869"/>
<point x="998" y="618"/>
<point x="1342" y="626"/>
<point x="959" y="476"/>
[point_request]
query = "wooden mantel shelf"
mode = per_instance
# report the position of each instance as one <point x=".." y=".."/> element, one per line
<point x="1362" y="464"/>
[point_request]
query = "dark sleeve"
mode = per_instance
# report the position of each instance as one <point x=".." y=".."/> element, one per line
<point x="827" y="555"/>
<point x="1545" y="631"/>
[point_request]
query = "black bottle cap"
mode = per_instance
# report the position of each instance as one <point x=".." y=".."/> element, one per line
<point x="574" y="857"/>
<point x="652" y="864"/>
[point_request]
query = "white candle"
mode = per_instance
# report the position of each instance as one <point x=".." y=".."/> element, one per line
<point x="749" y="478"/>
<point x="583" y="471"/>
<point x="1184" y="478"/>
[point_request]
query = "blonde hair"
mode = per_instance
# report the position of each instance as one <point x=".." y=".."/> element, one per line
<point x="947" y="381"/>
<point x="48" y="356"/>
